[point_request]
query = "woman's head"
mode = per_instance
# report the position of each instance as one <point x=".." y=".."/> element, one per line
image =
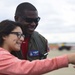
<point x="11" y="35"/>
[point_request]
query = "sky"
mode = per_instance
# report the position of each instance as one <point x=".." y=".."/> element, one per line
<point x="57" y="22"/>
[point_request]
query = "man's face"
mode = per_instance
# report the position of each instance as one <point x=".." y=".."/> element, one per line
<point x="29" y="21"/>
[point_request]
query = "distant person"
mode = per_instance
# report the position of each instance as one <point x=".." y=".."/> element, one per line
<point x="11" y="37"/>
<point x="34" y="46"/>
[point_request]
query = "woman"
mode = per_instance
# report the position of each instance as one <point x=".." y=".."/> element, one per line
<point x="11" y="37"/>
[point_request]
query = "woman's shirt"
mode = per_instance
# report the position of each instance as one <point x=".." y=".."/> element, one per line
<point x="11" y="65"/>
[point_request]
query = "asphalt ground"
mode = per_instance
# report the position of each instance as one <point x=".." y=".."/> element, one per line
<point x="64" y="71"/>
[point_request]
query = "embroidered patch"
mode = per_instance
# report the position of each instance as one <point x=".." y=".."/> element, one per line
<point x="34" y="53"/>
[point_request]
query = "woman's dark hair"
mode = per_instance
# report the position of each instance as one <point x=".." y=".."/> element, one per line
<point x="6" y="27"/>
<point x="24" y="6"/>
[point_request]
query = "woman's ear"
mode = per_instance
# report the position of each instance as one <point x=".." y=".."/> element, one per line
<point x="4" y="37"/>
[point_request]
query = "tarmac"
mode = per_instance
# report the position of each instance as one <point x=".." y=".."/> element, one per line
<point x="64" y="71"/>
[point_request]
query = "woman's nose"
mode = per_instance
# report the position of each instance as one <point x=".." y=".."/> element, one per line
<point x="22" y="38"/>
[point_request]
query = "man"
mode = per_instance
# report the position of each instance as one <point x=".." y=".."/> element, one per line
<point x="35" y="46"/>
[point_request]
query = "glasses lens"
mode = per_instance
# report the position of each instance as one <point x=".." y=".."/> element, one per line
<point x="19" y="35"/>
<point x="30" y="20"/>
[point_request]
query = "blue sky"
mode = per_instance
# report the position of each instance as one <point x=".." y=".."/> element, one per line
<point x="57" y="22"/>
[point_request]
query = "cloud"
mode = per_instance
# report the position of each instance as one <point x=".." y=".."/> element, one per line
<point x="57" y="17"/>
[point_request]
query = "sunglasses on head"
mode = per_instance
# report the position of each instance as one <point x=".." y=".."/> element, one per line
<point x="30" y="20"/>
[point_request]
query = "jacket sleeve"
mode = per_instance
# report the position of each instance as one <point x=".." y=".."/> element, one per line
<point x="11" y="65"/>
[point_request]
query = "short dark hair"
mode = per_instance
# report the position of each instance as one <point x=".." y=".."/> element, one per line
<point x="6" y="26"/>
<point x="24" y="6"/>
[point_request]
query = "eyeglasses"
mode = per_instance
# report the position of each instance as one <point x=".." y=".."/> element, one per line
<point x="30" y="20"/>
<point x="19" y="35"/>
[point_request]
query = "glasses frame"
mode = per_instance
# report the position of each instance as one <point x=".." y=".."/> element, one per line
<point x="19" y="35"/>
<point x="30" y="20"/>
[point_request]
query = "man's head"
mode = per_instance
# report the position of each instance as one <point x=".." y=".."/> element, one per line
<point x="27" y="14"/>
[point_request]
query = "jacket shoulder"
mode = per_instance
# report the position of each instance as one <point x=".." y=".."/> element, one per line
<point x="37" y="34"/>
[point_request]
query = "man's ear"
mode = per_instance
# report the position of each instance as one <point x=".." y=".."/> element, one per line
<point x="16" y="18"/>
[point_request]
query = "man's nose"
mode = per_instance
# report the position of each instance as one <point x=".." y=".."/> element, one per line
<point x="33" y="23"/>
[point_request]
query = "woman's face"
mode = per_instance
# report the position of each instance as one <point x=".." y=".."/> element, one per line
<point x="13" y="41"/>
